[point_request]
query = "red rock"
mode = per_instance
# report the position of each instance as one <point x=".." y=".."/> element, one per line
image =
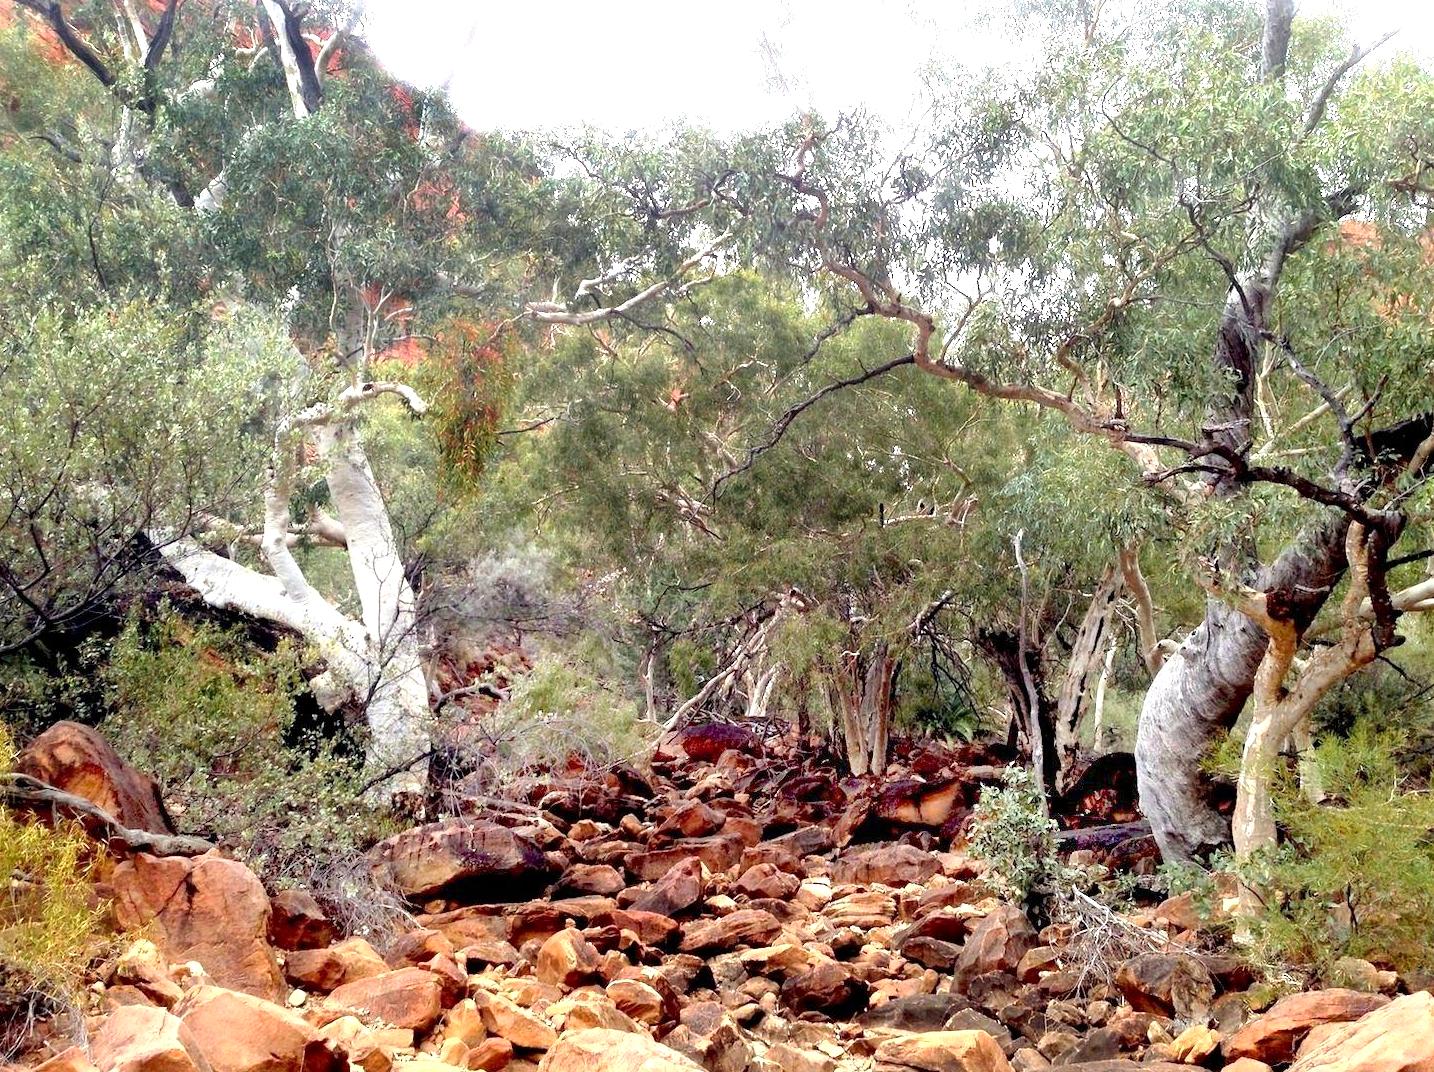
<point x="297" y="922"/>
<point x="1273" y="1037"/>
<point x="767" y="880"/>
<point x="679" y="888"/>
<point x="691" y="819"/>
<point x="207" y="909"/>
<point x="359" y="960"/>
<point x="318" y="970"/>
<point x="705" y="743"/>
<point x="710" y="1037"/>
<point x="567" y="959"/>
<point x="997" y="943"/>
<point x="750" y="926"/>
<point x="241" y="1033"/>
<point x="417" y="947"/>
<point x="600" y="1049"/>
<point x="462" y="859"/>
<point x="719" y="852"/>
<point x="490" y="1055"/>
<point x="827" y="987"/>
<point x="942" y="1051"/>
<point x="889" y="865"/>
<point x="651" y="928"/>
<point x="77" y="759"/>
<point x="1167" y="984"/>
<point x="71" y="1060"/>
<point x="642" y="1001"/>
<point x="592" y="878"/>
<point x="509" y="1020"/>
<point x="408" y="997"/>
<point x="142" y="1038"/>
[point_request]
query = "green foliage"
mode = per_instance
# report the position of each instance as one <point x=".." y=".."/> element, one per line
<point x="49" y="919"/>
<point x="1355" y="876"/>
<point x="213" y="719"/>
<point x="562" y="709"/>
<point x="1012" y="833"/>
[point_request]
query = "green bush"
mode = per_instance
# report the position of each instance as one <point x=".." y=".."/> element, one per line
<point x="1354" y="876"/>
<point x="1016" y="838"/>
<point x="49" y="922"/>
<point x="558" y="709"/>
<point x="213" y="718"/>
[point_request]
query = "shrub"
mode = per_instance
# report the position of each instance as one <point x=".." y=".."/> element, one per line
<point x="557" y="710"/>
<point x="49" y="926"/>
<point x="1354" y="876"/>
<point x="1016" y="838"/>
<point x="213" y="718"/>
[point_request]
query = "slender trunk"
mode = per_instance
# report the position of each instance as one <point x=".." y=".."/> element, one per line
<point x="1083" y="671"/>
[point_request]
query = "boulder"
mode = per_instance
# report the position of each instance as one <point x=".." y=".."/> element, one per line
<point x="464" y="859"/>
<point x="207" y="909"/>
<point x="77" y="759"/>
<point x="719" y="852"/>
<point x="1274" y="1037"/>
<point x="996" y="944"/>
<point x="1167" y="984"/>
<point x="889" y="865"/>
<point x="319" y="970"/>
<point x="408" y="997"/>
<point x="640" y="1000"/>
<point x="603" y="1050"/>
<point x="749" y="926"/>
<point x="297" y="922"/>
<point x="592" y="878"/>
<point x="507" y="1019"/>
<point x="709" y="1036"/>
<point x="942" y="1051"/>
<point x="828" y="987"/>
<point x="1399" y="1037"/>
<point x="768" y="880"/>
<point x="682" y="886"/>
<point x="567" y="959"/>
<point x="490" y="1055"/>
<point x="241" y="1033"/>
<point x="705" y="743"/>
<point x="142" y="1038"/>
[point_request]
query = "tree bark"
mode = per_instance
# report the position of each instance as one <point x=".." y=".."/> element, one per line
<point x="1083" y="671"/>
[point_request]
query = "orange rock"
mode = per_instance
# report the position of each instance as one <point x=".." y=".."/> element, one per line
<point x="298" y="922"/>
<point x="490" y="1055"/>
<point x="241" y="1033"/>
<point x="206" y="909"/>
<point x="71" y="1060"/>
<point x="1274" y="1037"/>
<point x="408" y="997"/>
<point x="358" y="959"/>
<point x="508" y="1020"/>
<point x="142" y="1038"/>
<point x="567" y="959"/>
<point x="889" y="865"/>
<point x="1399" y="1037"/>
<point x="750" y="926"/>
<point x="642" y="1001"/>
<point x="942" y="1051"/>
<point x="997" y="943"/>
<point x="601" y="1050"/>
<point x="77" y="759"/>
<point x="464" y="858"/>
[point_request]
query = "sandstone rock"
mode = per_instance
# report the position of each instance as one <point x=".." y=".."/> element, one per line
<point x="1399" y="1037"/>
<point x="567" y="959"/>
<point x="917" y="1012"/>
<point x="767" y="880"/>
<point x="319" y="970"/>
<point x="367" y="1048"/>
<point x="1246" y="1064"/>
<point x="601" y="1050"/>
<point x="142" y="967"/>
<point x="680" y="887"/>
<point x="592" y="878"/>
<point x="359" y="959"/>
<point x="640" y="1000"/>
<point x="705" y="743"/>
<point x="407" y="997"/>
<point x="997" y="944"/>
<point x="691" y="819"/>
<point x="490" y="1055"/>
<point x="889" y="865"/>
<point x="207" y="909"/>
<point x="828" y="988"/>
<point x="73" y="1059"/>
<point x="1167" y="984"/>
<point x="462" y="859"/>
<point x="241" y="1033"/>
<point x="1273" y="1037"/>
<point x="708" y="1035"/>
<point x="298" y="922"/>
<point x="142" y="1038"/>
<point x="1194" y="1044"/>
<point x="719" y="852"/>
<point x="77" y="759"/>
<point x="750" y="926"/>
<point x="511" y="1021"/>
<point x="942" y="1051"/>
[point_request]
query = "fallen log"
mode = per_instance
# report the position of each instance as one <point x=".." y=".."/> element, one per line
<point x="22" y="792"/>
<point x="1101" y="838"/>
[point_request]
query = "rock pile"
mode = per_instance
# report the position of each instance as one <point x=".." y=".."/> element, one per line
<point x="675" y="924"/>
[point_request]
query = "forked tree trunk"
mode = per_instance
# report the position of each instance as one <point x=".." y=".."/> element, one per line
<point x="862" y="696"/>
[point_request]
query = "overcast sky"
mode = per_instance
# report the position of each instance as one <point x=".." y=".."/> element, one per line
<point x="631" y="64"/>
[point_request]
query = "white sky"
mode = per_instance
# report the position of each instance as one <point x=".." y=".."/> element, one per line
<point x="634" y="64"/>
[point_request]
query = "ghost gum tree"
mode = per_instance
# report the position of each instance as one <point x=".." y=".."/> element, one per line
<point x="1194" y="239"/>
<point x="293" y="183"/>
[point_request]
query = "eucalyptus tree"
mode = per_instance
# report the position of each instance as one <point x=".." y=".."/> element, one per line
<point x="1143" y="238"/>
